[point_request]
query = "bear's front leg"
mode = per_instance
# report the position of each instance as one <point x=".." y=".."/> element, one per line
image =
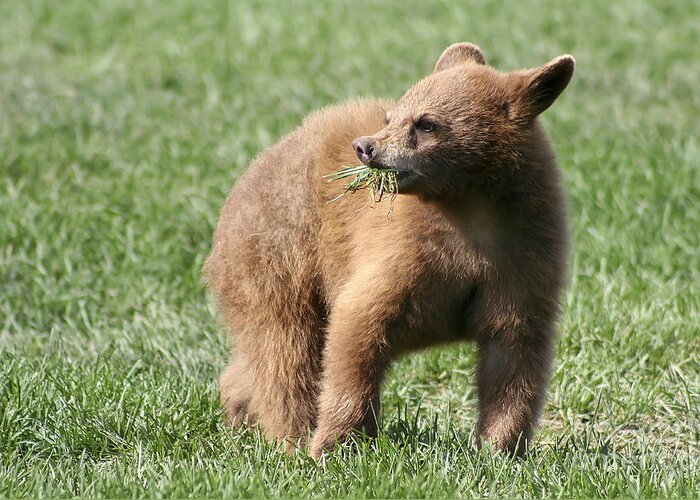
<point x="356" y="355"/>
<point x="512" y="381"/>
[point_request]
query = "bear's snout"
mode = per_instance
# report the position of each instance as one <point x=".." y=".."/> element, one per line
<point x="364" y="148"/>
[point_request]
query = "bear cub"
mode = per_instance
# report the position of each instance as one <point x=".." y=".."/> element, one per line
<point x="319" y="297"/>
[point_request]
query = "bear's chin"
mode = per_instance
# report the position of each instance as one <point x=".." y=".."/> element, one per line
<point x="413" y="183"/>
<point x="408" y="181"/>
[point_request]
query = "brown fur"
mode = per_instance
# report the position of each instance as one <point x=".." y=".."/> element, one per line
<point x="320" y="296"/>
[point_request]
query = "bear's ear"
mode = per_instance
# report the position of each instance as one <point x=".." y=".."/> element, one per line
<point x="459" y="53"/>
<point x="541" y="86"/>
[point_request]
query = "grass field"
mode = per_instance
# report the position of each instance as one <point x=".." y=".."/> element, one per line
<point x="124" y="124"/>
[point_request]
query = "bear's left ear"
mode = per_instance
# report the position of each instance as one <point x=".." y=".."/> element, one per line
<point x="541" y="86"/>
<point x="459" y="53"/>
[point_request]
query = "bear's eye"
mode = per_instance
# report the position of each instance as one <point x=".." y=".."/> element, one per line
<point x="425" y="125"/>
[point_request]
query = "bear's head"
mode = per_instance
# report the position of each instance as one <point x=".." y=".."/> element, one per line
<point x="465" y="124"/>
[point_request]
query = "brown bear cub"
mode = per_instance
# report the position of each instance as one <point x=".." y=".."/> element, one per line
<point x="319" y="296"/>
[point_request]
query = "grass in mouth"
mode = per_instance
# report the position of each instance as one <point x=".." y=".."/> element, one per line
<point x="377" y="181"/>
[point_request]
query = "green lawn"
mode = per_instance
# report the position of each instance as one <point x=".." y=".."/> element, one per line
<point x="124" y="124"/>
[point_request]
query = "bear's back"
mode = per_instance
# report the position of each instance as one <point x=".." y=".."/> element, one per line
<point x="266" y="240"/>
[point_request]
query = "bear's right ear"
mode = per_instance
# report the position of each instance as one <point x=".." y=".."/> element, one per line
<point x="459" y="53"/>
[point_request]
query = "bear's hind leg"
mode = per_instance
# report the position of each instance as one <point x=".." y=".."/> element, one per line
<point x="236" y="391"/>
<point x="285" y="362"/>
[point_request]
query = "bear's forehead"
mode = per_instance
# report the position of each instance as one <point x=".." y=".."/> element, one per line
<point x="454" y="88"/>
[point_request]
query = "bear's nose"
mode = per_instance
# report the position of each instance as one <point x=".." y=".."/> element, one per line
<point x="364" y="148"/>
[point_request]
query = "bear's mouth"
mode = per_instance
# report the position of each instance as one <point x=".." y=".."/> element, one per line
<point x="373" y="163"/>
<point x="400" y="170"/>
<point x="405" y="176"/>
